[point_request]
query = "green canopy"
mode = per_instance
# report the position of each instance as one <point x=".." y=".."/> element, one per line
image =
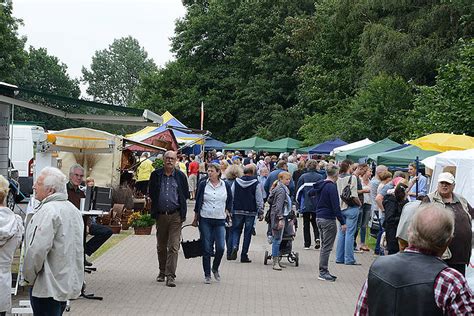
<point x="281" y="145"/>
<point x="401" y="157"/>
<point x="305" y="150"/>
<point x="246" y="144"/>
<point x="362" y="152"/>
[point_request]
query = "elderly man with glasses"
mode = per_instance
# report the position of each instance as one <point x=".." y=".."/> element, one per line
<point x="459" y="252"/>
<point x="99" y="232"/>
<point x="168" y="189"/>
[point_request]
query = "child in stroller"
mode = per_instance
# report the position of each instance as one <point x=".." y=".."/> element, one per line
<point x="286" y="245"/>
<point x="281" y="221"/>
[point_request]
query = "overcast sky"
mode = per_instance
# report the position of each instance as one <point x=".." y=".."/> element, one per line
<point x="73" y="30"/>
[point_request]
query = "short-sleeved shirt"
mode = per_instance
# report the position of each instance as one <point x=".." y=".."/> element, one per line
<point x="168" y="200"/>
<point x="193" y="168"/>
<point x="342" y="182"/>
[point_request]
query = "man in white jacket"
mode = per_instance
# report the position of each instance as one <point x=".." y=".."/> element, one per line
<point x="54" y="257"/>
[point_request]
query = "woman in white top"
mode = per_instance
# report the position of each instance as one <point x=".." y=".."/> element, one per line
<point x="11" y="231"/>
<point x="366" y="208"/>
<point x="213" y="206"/>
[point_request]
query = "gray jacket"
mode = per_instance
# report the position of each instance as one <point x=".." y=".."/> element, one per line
<point x="278" y="200"/>
<point x="54" y="252"/>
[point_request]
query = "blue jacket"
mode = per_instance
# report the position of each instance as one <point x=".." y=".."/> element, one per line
<point x="326" y="199"/>
<point x="305" y="184"/>
<point x="155" y="186"/>
<point x="200" y="196"/>
<point x="272" y="177"/>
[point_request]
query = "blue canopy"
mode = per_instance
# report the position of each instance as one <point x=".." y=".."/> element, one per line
<point x="212" y="143"/>
<point x="327" y="147"/>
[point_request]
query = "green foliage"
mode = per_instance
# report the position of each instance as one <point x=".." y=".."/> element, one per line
<point x="46" y="73"/>
<point x="448" y="105"/>
<point x="158" y="163"/>
<point x="116" y="72"/>
<point x="140" y="220"/>
<point x="12" y="56"/>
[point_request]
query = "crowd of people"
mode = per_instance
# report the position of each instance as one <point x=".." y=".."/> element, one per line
<point x="415" y="227"/>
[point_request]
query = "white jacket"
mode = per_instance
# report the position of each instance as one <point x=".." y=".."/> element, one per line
<point x="54" y="252"/>
<point x="11" y="231"/>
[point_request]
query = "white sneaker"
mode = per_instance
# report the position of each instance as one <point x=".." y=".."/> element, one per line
<point x="207" y="280"/>
<point x="306" y="248"/>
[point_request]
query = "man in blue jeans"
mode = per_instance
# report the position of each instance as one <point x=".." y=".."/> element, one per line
<point x="248" y="203"/>
<point x="345" y="239"/>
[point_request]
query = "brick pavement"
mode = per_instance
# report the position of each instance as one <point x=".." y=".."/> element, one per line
<point x="126" y="279"/>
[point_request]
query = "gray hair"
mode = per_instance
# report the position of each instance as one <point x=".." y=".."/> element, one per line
<point x="332" y="171"/>
<point x="380" y="169"/>
<point x="431" y="228"/>
<point x="74" y="167"/>
<point x="54" y="179"/>
<point x="312" y="164"/>
<point x="291" y="158"/>
<point x="250" y="169"/>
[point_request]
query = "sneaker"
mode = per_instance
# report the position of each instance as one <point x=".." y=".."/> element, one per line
<point x="160" y="278"/>
<point x="233" y="255"/>
<point x="207" y="280"/>
<point x="326" y="277"/>
<point x="254" y="232"/>
<point x="170" y="282"/>
<point x="306" y="248"/>
<point x="217" y="276"/>
<point x="318" y="244"/>
<point x="245" y="260"/>
<point x="335" y="277"/>
<point x="358" y="250"/>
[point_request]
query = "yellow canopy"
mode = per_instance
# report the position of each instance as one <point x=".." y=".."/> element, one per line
<point x="443" y="142"/>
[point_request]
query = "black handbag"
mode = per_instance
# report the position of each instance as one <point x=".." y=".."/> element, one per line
<point x="191" y="249"/>
<point x="346" y="194"/>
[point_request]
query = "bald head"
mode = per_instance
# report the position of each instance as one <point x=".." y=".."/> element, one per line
<point x="431" y="228"/>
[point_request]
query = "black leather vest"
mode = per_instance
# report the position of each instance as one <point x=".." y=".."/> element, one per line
<point x="403" y="284"/>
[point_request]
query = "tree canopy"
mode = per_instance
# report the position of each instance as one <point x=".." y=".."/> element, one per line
<point x="116" y="71"/>
<point x="311" y="70"/>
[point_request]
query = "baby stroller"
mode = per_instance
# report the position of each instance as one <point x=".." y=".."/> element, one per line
<point x="286" y="246"/>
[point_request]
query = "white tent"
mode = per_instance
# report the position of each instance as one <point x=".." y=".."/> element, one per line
<point x="358" y="144"/>
<point x="463" y="161"/>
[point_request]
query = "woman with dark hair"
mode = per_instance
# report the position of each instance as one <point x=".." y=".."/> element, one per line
<point x="213" y="204"/>
<point x="393" y="205"/>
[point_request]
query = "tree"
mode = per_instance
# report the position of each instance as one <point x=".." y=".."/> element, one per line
<point x="448" y="105"/>
<point x="46" y="73"/>
<point x="116" y="72"/>
<point x="12" y="56"/>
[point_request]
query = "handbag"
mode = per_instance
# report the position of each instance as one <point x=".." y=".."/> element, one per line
<point x="191" y="249"/>
<point x="346" y="194"/>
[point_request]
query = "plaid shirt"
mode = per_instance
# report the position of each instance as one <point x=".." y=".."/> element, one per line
<point x="452" y="294"/>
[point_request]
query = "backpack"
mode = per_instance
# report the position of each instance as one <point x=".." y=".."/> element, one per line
<point x="346" y="195"/>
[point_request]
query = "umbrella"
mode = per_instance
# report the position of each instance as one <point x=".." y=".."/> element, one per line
<point x="444" y="142"/>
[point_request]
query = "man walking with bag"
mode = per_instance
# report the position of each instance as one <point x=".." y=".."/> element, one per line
<point x="168" y="192"/>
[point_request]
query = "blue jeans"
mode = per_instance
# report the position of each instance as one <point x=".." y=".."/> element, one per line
<point x="238" y="222"/>
<point x="379" y="235"/>
<point x="277" y="236"/>
<point x="46" y="306"/>
<point x="212" y="232"/>
<point x="345" y="240"/>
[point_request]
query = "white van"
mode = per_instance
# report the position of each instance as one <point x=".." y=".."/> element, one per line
<point x="21" y="153"/>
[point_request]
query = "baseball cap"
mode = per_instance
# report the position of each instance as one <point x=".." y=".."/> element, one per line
<point x="446" y="177"/>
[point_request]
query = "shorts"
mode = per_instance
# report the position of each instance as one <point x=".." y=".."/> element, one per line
<point x="192" y="182"/>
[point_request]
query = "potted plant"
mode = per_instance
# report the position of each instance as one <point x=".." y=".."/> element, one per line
<point x="141" y="223"/>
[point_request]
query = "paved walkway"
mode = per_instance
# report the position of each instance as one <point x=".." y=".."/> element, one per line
<point x="126" y="279"/>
